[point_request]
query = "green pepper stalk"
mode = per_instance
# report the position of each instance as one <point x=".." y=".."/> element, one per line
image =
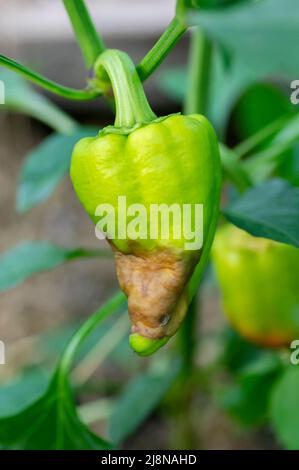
<point x="170" y="160"/>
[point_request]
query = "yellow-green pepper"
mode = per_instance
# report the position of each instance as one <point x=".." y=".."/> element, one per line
<point x="259" y="282"/>
<point x="148" y="160"/>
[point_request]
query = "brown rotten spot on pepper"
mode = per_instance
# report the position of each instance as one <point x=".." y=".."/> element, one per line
<point x="154" y="284"/>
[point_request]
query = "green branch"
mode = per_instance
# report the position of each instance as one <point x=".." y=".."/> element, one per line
<point x="92" y="47"/>
<point x="109" y="307"/>
<point x="66" y="92"/>
<point x="161" y="49"/>
<point x="89" y="41"/>
<point x="199" y="74"/>
<point x="233" y="169"/>
<point x="252" y="142"/>
<point x="195" y="103"/>
<point x="182" y="6"/>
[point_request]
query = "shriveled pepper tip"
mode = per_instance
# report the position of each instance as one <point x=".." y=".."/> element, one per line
<point x="146" y="346"/>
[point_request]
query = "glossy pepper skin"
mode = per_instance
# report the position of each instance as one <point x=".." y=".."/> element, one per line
<point x="170" y="161"/>
<point x="149" y="160"/>
<point x="259" y="283"/>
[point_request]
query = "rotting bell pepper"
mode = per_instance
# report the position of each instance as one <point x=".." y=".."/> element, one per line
<point x="259" y="283"/>
<point x="149" y="161"/>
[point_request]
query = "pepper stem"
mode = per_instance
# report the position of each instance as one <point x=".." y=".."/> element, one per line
<point x="115" y="68"/>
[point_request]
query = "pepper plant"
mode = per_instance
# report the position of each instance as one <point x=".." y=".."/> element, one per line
<point x="174" y="159"/>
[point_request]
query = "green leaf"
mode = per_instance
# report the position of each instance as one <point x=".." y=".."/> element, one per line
<point x="139" y="399"/>
<point x="284" y="409"/>
<point x="50" y="423"/>
<point x="255" y="380"/>
<point x="215" y="3"/>
<point x="45" y="166"/>
<point x="266" y="52"/>
<point x="261" y="165"/>
<point x="22" y="391"/>
<point x="258" y="107"/>
<point x="248" y="48"/>
<point x="20" y="97"/>
<point x="237" y="352"/>
<point x="29" y="258"/>
<point x="289" y="168"/>
<point x="270" y="210"/>
<point x="224" y="88"/>
<point x="182" y="4"/>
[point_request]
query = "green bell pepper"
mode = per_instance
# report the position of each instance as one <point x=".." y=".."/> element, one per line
<point x="171" y="160"/>
<point x="259" y="280"/>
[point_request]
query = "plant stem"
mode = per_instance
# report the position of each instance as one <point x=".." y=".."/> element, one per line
<point x="88" y="253"/>
<point x="181" y="6"/>
<point x="233" y="169"/>
<point x="90" y="42"/>
<point x="199" y="74"/>
<point x="187" y="338"/>
<point x="101" y="350"/>
<point x="115" y="68"/>
<point x="195" y="103"/>
<point x="91" y="323"/>
<point x="259" y="137"/>
<point x="161" y="49"/>
<point x="66" y="92"/>
<point x="92" y="47"/>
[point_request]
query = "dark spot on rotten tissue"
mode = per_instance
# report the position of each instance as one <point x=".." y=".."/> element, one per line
<point x="164" y="320"/>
